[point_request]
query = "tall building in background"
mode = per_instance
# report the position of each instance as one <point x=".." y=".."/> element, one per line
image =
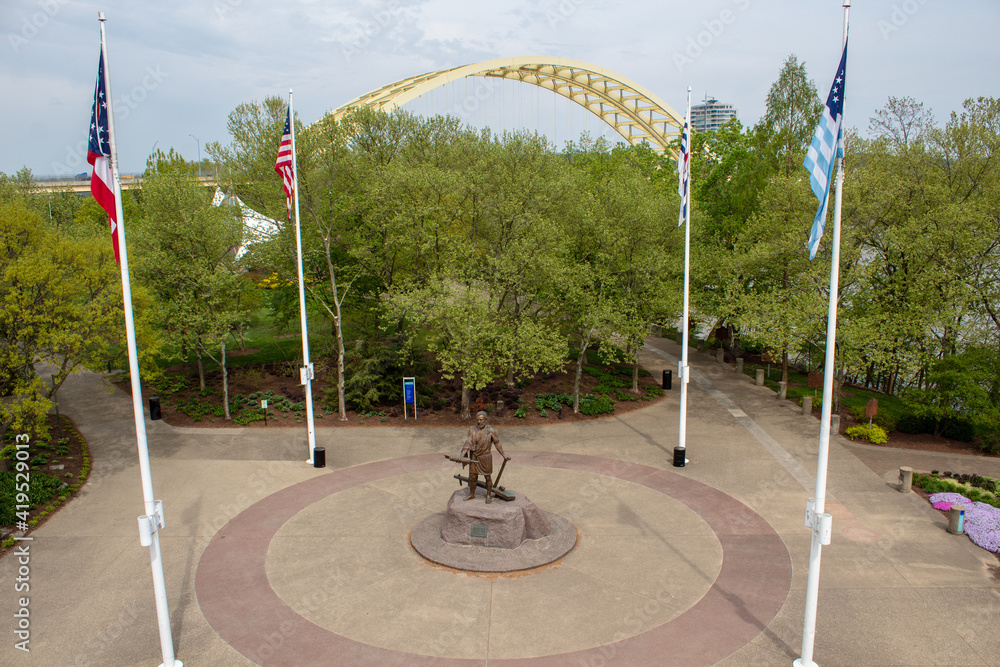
<point x="711" y="115"/>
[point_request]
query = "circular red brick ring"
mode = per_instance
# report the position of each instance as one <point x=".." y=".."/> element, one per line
<point x="238" y="601"/>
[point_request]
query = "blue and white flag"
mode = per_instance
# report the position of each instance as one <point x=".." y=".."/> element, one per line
<point x="827" y="145"/>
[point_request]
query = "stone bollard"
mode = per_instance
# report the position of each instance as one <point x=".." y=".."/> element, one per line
<point x="956" y="519"/>
<point x="905" y="479"/>
<point x="834" y="425"/>
<point x="739" y="365"/>
<point x="720" y="355"/>
<point x="760" y="377"/>
<point x="807" y="405"/>
<point x="782" y="390"/>
<point x="500" y="408"/>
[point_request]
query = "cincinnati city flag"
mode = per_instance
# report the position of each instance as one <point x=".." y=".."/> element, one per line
<point x="99" y="155"/>
<point x="827" y="145"/>
<point x="684" y="172"/>
<point x="285" y="163"/>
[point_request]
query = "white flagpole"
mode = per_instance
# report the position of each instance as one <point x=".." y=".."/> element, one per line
<point x="817" y="519"/>
<point x="680" y="452"/>
<point x="306" y="372"/>
<point x="152" y="521"/>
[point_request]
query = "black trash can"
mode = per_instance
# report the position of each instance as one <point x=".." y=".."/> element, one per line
<point x="680" y="459"/>
<point x="154" y="408"/>
<point x="668" y="379"/>
<point x="319" y="457"/>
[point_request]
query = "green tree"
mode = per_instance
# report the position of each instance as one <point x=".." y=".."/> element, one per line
<point x="61" y="307"/>
<point x="186" y="257"/>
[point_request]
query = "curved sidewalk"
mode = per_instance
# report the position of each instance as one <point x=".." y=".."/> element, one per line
<point x="259" y="546"/>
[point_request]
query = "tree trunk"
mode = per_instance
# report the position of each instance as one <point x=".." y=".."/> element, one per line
<point x="225" y="382"/>
<point x="584" y="344"/>
<point x="201" y="369"/>
<point x="635" y="372"/>
<point x="465" y="414"/>
<point x="838" y="383"/>
<point x="338" y="331"/>
<point x="341" y="404"/>
<point x="784" y="289"/>
<point x="510" y="377"/>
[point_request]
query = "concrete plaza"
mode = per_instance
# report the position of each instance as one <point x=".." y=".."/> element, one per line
<point x="270" y="561"/>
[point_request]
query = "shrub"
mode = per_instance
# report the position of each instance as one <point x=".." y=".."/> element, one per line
<point x="596" y="405"/>
<point x="873" y="434"/>
<point x="40" y="489"/>
<point x="959" y="429"/>
<point x="989" y="440"/>
<point x="913" y="423"/>
<point x="552" y="401"/>
<point x="251" y="378"/>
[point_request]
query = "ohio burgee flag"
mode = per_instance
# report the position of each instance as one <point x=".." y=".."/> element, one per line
<point x="827" y="145"/>
<point x="684" y="171"/>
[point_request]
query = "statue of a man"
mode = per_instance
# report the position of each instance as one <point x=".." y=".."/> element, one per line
<point x="481" y="438"/>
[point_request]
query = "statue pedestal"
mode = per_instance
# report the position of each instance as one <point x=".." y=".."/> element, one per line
<point x="500" y="524"/>
<point x="498" y="537"/>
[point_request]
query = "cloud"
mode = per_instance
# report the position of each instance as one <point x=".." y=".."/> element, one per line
<point x="219" y="53"/>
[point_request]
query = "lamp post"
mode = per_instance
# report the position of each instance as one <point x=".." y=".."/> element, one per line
<point x="199" y="153"/>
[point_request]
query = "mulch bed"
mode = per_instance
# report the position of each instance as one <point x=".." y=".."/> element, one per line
<point x="282" y="379"/>
<point x="68" y="461"/>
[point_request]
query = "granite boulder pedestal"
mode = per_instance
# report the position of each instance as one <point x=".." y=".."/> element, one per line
<point x="493" y="537"/>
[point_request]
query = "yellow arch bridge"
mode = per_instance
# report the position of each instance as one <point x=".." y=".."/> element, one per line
<point x="633" y="111"/>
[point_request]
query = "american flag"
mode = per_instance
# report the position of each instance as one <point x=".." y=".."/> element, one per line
<point x="99" y="155"/>
<point x="684" y="172"/>
<point x="827" y="145"/>
<point x="285" y="164"/>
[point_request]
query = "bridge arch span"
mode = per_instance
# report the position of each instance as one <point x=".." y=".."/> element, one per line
<point x="633" y="111"/>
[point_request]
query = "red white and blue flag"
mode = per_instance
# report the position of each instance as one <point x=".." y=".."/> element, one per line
<point x="99" y="155"/>
<point x="285" y="166"/>
<point x="684" y="172"/>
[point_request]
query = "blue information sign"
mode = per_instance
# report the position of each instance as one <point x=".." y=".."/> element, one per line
<point x="410" y="395"/>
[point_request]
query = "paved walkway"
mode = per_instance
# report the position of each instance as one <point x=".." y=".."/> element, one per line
<point x="269" y="561"/>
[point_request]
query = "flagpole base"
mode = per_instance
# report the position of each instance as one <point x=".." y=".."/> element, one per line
<point x="679" y="457"/>
<point x="176" y="663"/>
<point x="798" y="662"/>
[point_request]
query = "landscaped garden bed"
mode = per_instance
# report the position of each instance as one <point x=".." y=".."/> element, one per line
<point x="48" y="471"/>
<point x="980" y="496"/>
<point x="605" y="389"/>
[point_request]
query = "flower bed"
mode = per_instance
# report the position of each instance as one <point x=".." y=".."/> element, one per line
<point x="982" y="521"/>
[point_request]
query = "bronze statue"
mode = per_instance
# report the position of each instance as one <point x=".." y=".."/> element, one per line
<point x="482" y="437"/>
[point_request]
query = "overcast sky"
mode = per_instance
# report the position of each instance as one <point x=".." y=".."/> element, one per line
<point x="179" y="67"/>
